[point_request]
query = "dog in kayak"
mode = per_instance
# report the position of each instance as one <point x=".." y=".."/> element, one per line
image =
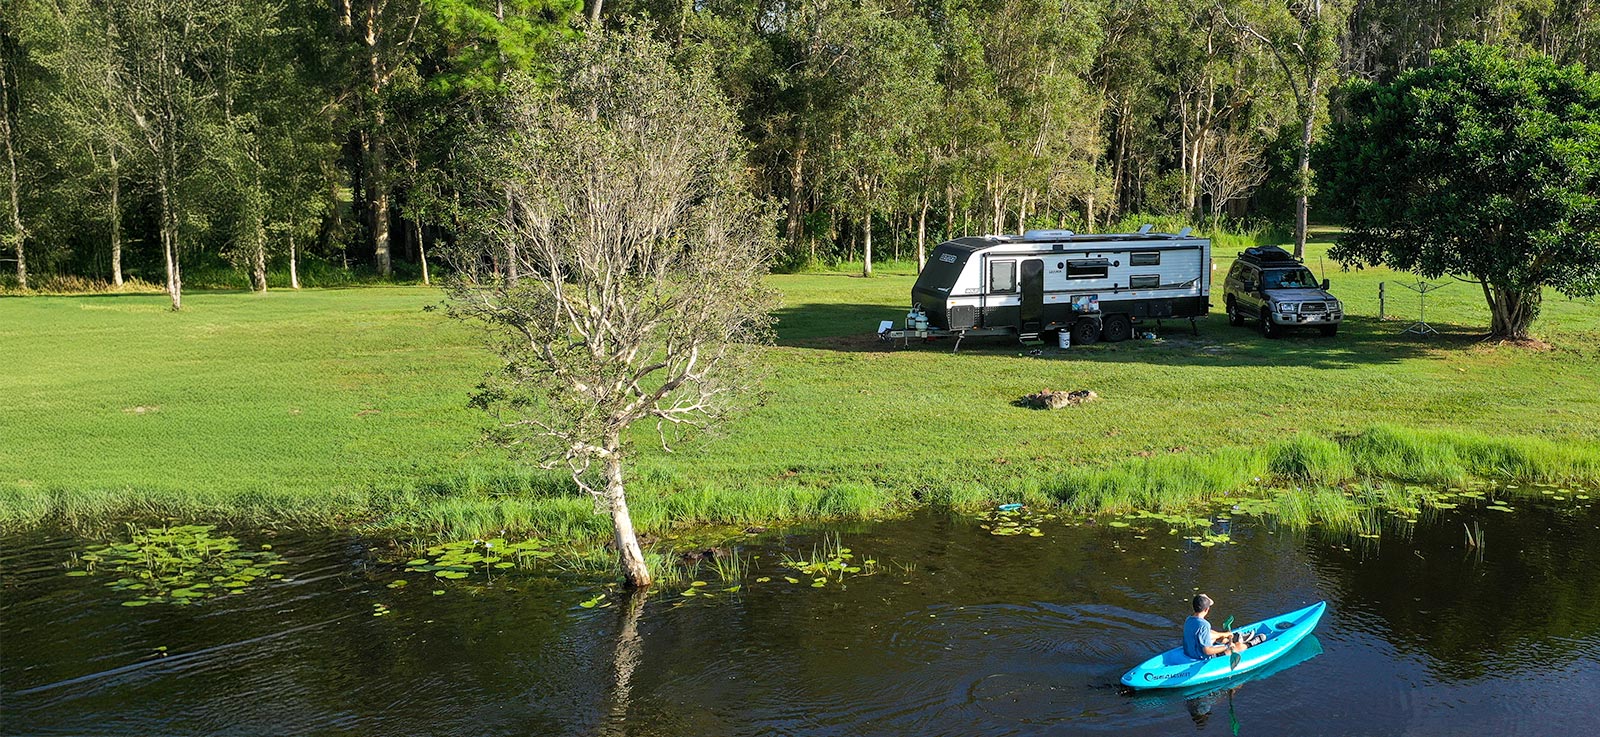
<point x="1201" y="642"/>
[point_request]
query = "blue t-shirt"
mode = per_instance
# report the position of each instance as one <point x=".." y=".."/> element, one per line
<point x="1197" y="637"/>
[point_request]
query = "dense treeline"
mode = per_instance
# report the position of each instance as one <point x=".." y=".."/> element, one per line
<point x="252" y="142"/>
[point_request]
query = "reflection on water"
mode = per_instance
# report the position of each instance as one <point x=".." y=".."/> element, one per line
<point x="985" y="635"/>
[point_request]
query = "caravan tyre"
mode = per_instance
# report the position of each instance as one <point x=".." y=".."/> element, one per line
<point x="1117" y="329"/>
<point x="1086" y="331"/>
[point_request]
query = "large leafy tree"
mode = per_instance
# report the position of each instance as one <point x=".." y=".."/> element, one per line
<point x="1484" y="165"/>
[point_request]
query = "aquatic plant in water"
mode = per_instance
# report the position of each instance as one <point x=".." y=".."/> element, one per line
<point x="830" y="563"/>
<point x="1009" y="520"/>
<point x="460" y="559"/>
<point x="181" y="565"/>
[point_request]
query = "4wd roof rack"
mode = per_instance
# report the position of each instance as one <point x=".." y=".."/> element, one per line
<point x="1267" y="255"/>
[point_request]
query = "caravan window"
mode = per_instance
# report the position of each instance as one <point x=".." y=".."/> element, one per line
<point x="1003" y="277"/>
<point x="1152" y="258"/>
<point x="1148" y="281"/>
<point x="1096" y="268"/>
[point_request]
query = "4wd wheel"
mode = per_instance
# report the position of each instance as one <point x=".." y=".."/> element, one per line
<point x="1086" y="331"/>
<point x="1117" y="329"/>
<point x="1268" y="329"/>
<point x="1234" y="317"/>
<point x="1328" y="331"/>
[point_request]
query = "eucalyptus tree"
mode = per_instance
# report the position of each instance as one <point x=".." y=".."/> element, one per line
<point x="1302" y="35"/>
<point x="167" y="89"/>
<point x="478" y="42"/>
<point x="75" y="41"/>
<point x="1485" y="165"/>
<point x="382" y="43"/>
<point x="16" y="234"/>
<point x="889" y="74"/>
<point x="643" y="247"/>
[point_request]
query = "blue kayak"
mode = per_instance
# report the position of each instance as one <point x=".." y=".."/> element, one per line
<point x="1173" y="669"/>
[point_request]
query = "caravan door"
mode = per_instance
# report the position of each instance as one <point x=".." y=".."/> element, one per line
<point x="1031" y="317"/>
<point x="997" y="291"/>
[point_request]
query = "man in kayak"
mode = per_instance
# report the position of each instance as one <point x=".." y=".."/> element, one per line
<point x="1201" y="642"/>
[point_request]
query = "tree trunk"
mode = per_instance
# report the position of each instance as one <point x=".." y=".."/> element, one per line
<point x="949" y="212"/>
<point x="1303" y="183"/>
<point x="1511" y="310"/>
<point x="116" y="222"/>
<point x="999" y="209"/>
<point x="894" y="236"/>
<point x="634" y="571"/>
<point x="380" y="212"/>
<point x="850" y="252"/>
<point x="18" y="235"/>
<point x="422" y="252"/>
<point x="258" y="273"/>
<point x="511" y="241"/>
<point x="1119" y="168"/>
<point x="866" y="252"/>
<point x="294" y="273"/>
<point x="1309" y="119"/>
<point x="922" y="234"/>
<point x="1088" y="214"/>
<point x="594" y="12"/>
<point x="376" y="179"/>
<point x="169" y="246"/>
<point x="791" y="226"/>
<point x="1183" y="146"/>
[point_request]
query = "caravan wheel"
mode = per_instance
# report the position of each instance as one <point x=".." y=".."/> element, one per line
<point x="1086" y="331"/>
<point x="1117" y="328"/>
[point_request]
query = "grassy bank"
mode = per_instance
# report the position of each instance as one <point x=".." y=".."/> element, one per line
<point x="347" y="407"/>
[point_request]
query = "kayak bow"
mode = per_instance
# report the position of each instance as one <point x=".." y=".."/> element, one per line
<point x="1173" y="669"/>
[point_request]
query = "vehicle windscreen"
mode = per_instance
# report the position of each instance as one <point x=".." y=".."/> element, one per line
<point x="1288" y="279"/>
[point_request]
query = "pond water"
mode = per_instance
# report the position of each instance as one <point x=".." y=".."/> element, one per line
<point x="958" y="632"/>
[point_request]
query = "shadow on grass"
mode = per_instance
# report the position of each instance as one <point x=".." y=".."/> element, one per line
<point x="1361" y="341"/>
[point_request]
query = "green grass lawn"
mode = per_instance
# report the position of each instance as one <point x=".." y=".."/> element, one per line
<point x="349" y="407"/>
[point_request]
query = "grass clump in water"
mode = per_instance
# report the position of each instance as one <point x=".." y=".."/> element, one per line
<point x="1310" y="459"/>
<point x="831" y="562"/>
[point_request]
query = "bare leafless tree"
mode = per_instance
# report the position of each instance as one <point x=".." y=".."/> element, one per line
<point x="1234" y="169"/>
<point x="641" y="252"/>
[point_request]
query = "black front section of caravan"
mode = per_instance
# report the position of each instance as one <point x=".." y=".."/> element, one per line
<point x="934" y="284"/>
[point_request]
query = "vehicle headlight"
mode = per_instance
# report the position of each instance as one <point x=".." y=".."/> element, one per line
<point x="1287" y="306"/>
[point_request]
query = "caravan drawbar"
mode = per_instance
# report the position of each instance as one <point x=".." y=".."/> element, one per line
<point x="1095" y="286"/>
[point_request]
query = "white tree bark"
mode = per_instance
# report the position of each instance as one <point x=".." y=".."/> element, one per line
<point x="630" y="555"/>
<point x="422" y="252"/>
<point x="18" y="234"/>
<point x="922" y="234"/>
<point x="866" y="258"/>
<point x="294" y="271"/>
<point x="115" y="184"/>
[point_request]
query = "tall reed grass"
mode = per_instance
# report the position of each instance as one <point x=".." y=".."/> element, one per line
<point x="1319" y="480"/>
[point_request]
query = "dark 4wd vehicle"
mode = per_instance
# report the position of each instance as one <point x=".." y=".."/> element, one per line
<point x="1269" y="286"/>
